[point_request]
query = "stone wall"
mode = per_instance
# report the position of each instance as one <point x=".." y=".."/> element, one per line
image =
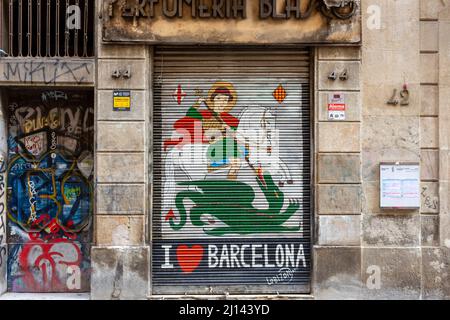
<point x="362" y="251"/>
<point x="338" y="177"/>
<point x="120" y="257"/>
<point x="435" y="51"/>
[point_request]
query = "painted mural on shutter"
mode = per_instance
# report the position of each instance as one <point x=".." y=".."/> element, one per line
<point x="231" y="176"/>
<point x="49" y="190"/>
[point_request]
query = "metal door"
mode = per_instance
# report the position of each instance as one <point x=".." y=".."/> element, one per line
<point x="49" y="189"/>
<point x="231" y="170"/>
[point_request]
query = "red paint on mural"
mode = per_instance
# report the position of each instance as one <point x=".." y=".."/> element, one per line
<point x="45" y="263"/>
<point x="189" y="258"/>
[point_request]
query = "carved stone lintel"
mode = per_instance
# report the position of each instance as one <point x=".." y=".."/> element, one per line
<point x="133" y="20"/>
<point x="335" y="9"/>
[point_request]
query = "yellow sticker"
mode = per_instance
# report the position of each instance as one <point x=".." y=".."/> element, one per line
<point x="122" y="100"/>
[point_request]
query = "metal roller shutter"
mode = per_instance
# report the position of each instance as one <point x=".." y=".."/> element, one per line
<point x="232" y="172"/>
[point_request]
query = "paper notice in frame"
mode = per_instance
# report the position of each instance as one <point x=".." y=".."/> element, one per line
<point x="400" y="185"/>
<point x="122" y="100"/>
<point x="336" y="106"/>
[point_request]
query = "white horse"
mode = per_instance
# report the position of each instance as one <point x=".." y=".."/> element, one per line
<point x="256" y="131"/>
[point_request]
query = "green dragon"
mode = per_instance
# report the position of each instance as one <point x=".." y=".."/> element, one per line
<point x="231" y="203"/>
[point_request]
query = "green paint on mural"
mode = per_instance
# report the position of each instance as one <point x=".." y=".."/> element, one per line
<point x="231" y="202"/>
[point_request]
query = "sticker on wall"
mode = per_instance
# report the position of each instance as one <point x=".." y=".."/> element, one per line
<point x="336" y="106"/>
<point x="122" y="100"/>
<point x="179" y="95"/>
<point x="280" y="94"/>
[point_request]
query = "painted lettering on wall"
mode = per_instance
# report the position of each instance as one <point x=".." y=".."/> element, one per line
<point x="281" y="261"/>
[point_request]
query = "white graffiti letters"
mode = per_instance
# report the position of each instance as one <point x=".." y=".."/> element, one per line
<point x="74" y="277"/>
<point x="255" y="256"/>
<point x="32" y="200"/>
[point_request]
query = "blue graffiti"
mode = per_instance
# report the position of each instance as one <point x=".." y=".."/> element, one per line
<point x="12" y="145"/>
<point x="52" y="190"/>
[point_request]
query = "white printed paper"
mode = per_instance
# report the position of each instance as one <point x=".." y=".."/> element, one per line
<point x="400" y="186"/>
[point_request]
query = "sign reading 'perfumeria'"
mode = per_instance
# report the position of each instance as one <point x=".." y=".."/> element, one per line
<point x="232" y="21"/>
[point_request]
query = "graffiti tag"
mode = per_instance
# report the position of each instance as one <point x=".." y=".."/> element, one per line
<point x="284" y="275"/>
<point x="2" y="209"/>
<point x="47" y="263"/>
<point x="48" y="72"/>
<point x="430" y="202"/>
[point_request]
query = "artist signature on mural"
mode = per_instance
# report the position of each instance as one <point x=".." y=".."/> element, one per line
<point x="284" y="275"/>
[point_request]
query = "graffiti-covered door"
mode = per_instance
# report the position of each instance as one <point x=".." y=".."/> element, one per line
<point x="49" y="189"/>
<point x="231" y="176"/>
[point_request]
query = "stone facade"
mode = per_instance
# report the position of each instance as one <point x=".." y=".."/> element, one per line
<point x="396" y="255"/>
<point x="120" y="256"/>
<point x="359" y="250"/>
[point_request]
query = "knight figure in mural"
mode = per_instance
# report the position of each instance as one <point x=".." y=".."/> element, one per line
<point x="215" y="140"/>
<point x="217" y="128"/>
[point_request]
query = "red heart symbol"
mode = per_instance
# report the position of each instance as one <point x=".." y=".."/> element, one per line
<point x="189" y="258"/>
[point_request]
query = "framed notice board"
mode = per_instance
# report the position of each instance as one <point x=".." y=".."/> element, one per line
<point x="400" y="185"/>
